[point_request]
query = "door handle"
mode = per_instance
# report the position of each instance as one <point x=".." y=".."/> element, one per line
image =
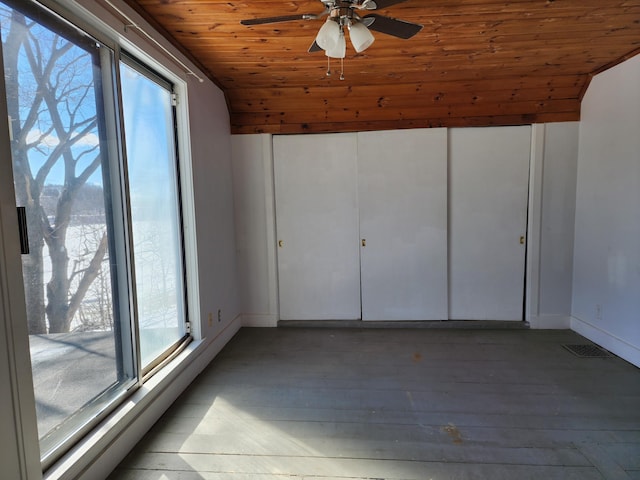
<point x="521" y="239"/>
<point x="364" y="242"/>
<point x="280" y="243"/>
<point x="22" y="227"/>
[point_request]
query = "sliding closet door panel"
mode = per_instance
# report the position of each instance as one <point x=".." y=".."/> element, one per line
<point x="317" y="226"/>
<point x="488" y="190"/>
<point x="403" y="224"/>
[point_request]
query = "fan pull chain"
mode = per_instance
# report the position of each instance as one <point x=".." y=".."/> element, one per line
<point x="328" y="72"/>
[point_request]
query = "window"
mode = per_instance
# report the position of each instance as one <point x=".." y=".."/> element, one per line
<point x="155" y="209"/>
<point x="104" y="275"/>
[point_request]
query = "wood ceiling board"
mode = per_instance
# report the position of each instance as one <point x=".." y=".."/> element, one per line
<point x="596" y="25"/>
<point x="390" y="100"/>
<point x="493" y="84"/>
<point x="316" y="112"/>
<point x="426" y="121"/>
<point x="319" y="82"/>
<point x="476" y="62"/>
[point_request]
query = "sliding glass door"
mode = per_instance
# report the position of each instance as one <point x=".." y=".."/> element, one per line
<point x="97" y="186"/>
<point x="81" y="350"/>
<point x="147" y="101"/>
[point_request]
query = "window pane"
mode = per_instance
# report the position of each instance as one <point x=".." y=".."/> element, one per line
<point x="155" y="212"/>
<point x="60" y="169"/>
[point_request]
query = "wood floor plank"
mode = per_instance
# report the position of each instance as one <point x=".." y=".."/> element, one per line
<point x="268" y="441"/>
<point x="508" y="403"/>
<point x="433" y="376"/>
<point x="355" y="468"/>
<point x="616" y="426"/>
<point x="605" y="464"/>
<point x="227" y="426"/>
<point x="315" y="403"/>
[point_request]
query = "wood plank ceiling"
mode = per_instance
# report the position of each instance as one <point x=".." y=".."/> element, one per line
<point x="475" y="62"/>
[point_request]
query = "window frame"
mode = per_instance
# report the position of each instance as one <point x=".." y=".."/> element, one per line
<point x="145" y="372"/>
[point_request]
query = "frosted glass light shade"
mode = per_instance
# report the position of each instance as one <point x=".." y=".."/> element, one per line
<point x="361" y="37"/>
<point x="328" y="35"/>
<point x="339" y="50"/>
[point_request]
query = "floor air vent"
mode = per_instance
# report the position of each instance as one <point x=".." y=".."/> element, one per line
<point x="588" y="351"/>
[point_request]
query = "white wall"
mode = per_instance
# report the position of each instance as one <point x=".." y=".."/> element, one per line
<point x="558" y="194"/>
<point x="252" y="162"/>
<point x="213" y="196"/>
<point x="606" y="280"/>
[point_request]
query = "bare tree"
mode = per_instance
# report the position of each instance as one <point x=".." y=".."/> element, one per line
<point x="52" y="98"/>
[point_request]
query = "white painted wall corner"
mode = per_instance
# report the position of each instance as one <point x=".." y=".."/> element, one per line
<point x="260" y="320"/>
<point x="550" y="322"/>
<point x="607" y="340"/>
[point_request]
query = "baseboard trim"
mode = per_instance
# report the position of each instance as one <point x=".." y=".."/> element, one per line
<point x="616" y="345"/>
<point x="422" y="324"/>
<point x="268" y="320"/>
<point x="106" y="446"/>
<point x="550" y="322"/>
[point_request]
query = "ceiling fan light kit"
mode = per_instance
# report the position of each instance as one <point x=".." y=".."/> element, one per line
<point x="328" y="35"/>
<point x="361" y="37"/>
<point x="342" y="16"/>
<point x="339" y="48"/>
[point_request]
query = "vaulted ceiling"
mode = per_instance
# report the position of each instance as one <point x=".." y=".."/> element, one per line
<point x="475" y="62"/>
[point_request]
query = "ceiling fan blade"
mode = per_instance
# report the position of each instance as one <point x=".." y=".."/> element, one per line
<point x="283" y="18"/>
<point x="315" y="47"/>
<point x="380" y="4"/>
<point x="391" y="26"/>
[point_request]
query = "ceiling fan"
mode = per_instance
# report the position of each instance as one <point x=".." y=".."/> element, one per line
<point x="342" y="15"/>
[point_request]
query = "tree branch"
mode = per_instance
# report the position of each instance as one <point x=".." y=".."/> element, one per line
<point x="87" y="279"/>
<point x="90" y="170"/>
<point x="64" y="144"/>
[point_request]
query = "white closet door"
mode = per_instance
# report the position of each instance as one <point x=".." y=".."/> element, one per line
<point x="317" y="226"/>
<point x="403" y="220"/>
<point x="488" y="190"/>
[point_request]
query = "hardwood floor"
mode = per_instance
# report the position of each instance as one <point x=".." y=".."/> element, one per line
<point x="318" y="404"/>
